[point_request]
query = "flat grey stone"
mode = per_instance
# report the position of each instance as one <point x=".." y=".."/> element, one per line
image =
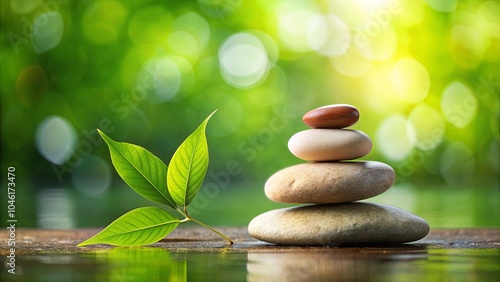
<point x="334" y="182"/>
<point x="334" y="224"/>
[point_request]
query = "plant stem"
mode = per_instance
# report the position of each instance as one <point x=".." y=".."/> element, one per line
<point x="188" y="217"/>
<point x="203" y="224"/>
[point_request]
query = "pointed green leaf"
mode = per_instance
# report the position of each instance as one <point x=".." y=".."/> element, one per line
<point x="140" y="169"/>
<point x="188" y="166"/>
<point x="141" y="226"/>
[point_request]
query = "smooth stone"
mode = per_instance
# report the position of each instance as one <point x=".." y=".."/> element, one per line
<point x="335" y="182"/>
<point x="329" y="144"/>
<point x="332" y="116"/>
<point x="334" y="224"/>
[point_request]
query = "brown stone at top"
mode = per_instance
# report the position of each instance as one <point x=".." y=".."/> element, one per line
<point x="332" y="116"/>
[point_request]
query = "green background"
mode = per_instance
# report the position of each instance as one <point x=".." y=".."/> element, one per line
<point x="424" y="75"/>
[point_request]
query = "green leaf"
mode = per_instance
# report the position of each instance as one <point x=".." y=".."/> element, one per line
<point x="142" y="226"/>
<point x="140" y="169"/>
<point x="188" y="166"/>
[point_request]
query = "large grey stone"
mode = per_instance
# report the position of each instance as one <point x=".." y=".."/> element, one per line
<point x="334" y="224"/>
<point x="334" y="182"/>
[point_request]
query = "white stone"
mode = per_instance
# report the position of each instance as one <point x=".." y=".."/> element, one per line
<point x="329" y="144"/>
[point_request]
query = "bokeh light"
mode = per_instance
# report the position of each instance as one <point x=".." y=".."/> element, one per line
<point x="149" y="25"/>
<point x="293" y="27"/>
<point x="92" y="177"/>
<point x="429" y="126"/>
<point x="467" y="46"/>
<point x="47" y="31"/>
<point x="458" y="104"/>
<point x="410" y="80"/>
<point x="396" y="137"/>
<point x="56" y="139"/>
<point x="190" y="35"/>
<point x="243" y="60"/>
<point x="423" y="74"/>
<point x="328" y="35"/>
<point x="159" y="80"/>
<point x="103" y="21"/>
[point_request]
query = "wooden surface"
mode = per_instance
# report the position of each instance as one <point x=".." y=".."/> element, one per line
<point x="40" y="241"/>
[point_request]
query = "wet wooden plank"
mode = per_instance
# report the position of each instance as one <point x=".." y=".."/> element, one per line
<point x="43" y="241"/>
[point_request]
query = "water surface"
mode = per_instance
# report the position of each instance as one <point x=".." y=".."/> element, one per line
<point x="400" y="263"/>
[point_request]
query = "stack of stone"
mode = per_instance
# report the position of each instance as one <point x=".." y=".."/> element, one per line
<point x="332" y="184"/>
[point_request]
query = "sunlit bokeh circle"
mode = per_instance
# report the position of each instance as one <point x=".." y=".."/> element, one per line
<point x="429" y="126"/>
<point x="103" y="21"/>
<point x="272" y="50"/>
<point x="377" y="92"/>
<point x="46" y="31"/>
<point x="329" y="35"/>
<point x="188" y="76"/>
<point x="92" y="177"/>
<point x="467" y="47"/>
<point x="150" y="25"/>
<point x="458" y="104"/>
<point x="410" y="80"/>
<point x="133" y="61"/>
<point x="158" y="81"/>
<point x="190" y="35"/>
<point x="243" y="60"/>
<point x="292" y="28"/>
<point x="55" y="139"/>
<point x="395" y="137"/>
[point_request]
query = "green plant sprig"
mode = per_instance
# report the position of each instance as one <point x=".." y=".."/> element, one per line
<point x="175" y="186"/>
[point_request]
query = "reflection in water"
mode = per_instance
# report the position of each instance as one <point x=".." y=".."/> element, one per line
<point x="55" y="209"/>
<point x="137" y="264"/>
<point x="323" y="265"/>
<point x="264" y="263"/>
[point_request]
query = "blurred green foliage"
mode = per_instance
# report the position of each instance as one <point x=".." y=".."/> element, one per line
<point x="424" y="75"/>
